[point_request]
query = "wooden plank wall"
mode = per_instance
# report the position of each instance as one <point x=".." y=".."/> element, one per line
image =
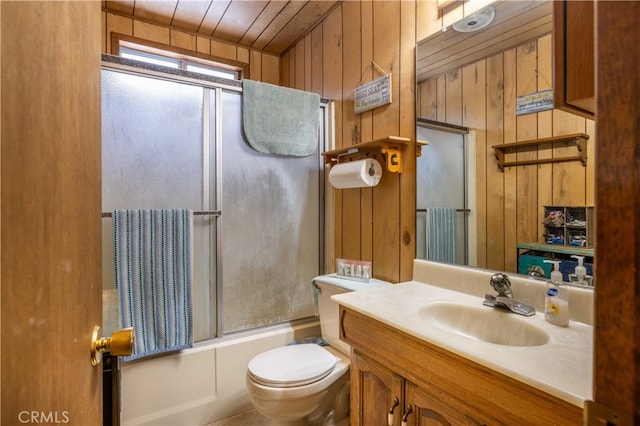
<point x="378" y="224"/>
<point x="372" y="224"/>
<point x="482" y="96"/>
<point x="262" y="66"/>
<point x="375" y="224"/>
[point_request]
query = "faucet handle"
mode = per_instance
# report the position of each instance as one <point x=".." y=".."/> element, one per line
<point x="489" y="300"/>
<point x="501" y="283"/>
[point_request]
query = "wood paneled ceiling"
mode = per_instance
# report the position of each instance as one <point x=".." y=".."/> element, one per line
<point x="271" y="26"/>
<point x="515" y="22"/>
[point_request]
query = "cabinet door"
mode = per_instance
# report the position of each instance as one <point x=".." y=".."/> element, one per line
<point x="573" y="57"/>
<point x="428" y="410"/>
<point x="375" y="390"/>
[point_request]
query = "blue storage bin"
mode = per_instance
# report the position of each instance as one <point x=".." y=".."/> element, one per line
<point x="529" y="260"/>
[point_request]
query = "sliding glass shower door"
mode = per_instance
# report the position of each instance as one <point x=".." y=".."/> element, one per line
<point x="152" y="157"/>
<point x="173" y="144"/>
<point x="270" y="229"/>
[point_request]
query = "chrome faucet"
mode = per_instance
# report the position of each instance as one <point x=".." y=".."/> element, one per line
<point x="504" y="300"/>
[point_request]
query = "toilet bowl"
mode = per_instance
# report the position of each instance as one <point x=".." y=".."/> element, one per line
<point x="308" y="384"/>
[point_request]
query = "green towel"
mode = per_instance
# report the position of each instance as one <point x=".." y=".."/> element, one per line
<point x="279" y="120"/>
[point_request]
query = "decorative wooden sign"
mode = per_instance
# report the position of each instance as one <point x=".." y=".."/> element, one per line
<point x="373" y="94"/>
<point x="534" y="102"/>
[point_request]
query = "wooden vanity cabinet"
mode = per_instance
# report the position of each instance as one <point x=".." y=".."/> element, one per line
<point x="441" y="387"/>
<point x="375" y="390"/>
<point x="378" y="395"/>
<point x="574" y="57"/>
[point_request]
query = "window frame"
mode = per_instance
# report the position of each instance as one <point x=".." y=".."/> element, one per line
<point x="177" y="53"/>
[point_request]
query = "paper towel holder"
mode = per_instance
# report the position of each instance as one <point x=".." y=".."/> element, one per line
<point x="391" y="148"/>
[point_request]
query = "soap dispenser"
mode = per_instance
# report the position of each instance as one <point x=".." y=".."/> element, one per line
<point x="556" y="306"/>
<point x="580" y="276"/>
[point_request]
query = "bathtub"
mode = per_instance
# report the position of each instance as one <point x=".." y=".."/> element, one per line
<point x="200" y="385"/>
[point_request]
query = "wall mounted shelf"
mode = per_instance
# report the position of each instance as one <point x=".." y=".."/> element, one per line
<point x="390" y="149"/>
<point x="419" y="145"/>
<point x="578" y="139"/>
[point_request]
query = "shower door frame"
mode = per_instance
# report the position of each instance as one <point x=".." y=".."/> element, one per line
<point x="218" y="86"/>
<point x="468" y="141"/>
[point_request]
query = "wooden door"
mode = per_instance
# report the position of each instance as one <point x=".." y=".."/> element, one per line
<point x="573" y="57"/>
<point x="617" y="324"/>
<point x="375" y="390"/>
<point x="50" y="211"/>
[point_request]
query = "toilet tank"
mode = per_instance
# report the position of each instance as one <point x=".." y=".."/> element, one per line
<point x="327" y="286"/>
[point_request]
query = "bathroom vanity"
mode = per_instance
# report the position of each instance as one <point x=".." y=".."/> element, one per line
<point x="421" y="352"/>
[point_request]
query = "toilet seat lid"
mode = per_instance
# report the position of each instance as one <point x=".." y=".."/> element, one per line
<point x="290" y="366"/>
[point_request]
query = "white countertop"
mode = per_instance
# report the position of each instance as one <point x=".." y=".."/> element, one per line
<point x="562" y="367"/>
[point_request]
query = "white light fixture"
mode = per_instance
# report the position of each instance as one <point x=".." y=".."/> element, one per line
<point x="476" y="21"/>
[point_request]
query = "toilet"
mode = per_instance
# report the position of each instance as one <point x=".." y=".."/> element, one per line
<point x="306" y="383"/>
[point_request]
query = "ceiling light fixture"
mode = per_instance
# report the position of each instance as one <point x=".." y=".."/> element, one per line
<point x="476" y="21"/>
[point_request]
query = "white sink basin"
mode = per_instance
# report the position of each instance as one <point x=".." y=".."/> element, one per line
<point x="484" y="323"/>
<point x="556" y="360"/>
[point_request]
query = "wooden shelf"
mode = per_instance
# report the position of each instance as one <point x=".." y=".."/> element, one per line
<point x="390" y="149"/>
<point x="579" y="139"/>
<point x="419" y="145"/>
<point x="557" y="248"/>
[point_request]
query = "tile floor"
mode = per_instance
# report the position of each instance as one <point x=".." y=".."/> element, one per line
<point x="250" y="418"/>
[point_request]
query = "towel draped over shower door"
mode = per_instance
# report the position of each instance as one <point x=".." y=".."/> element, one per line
<point x="280" y="120"/>
<point x="153" y="274"/>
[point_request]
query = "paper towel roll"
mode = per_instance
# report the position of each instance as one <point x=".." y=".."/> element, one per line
<point x="356" y="174"/>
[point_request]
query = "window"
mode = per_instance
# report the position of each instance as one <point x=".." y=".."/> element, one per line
<point x="215" y="72"/>
<point x="182" y="64"/>
<point x="150" y="52"/>
<point x="149" y="58"/>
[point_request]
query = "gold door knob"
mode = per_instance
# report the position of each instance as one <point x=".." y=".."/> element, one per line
<point x="120" y="343"/>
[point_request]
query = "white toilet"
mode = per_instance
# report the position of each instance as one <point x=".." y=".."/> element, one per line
<point x="308" y="384"/>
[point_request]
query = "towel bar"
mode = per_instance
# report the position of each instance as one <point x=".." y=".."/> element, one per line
<point x="457" y="210"/>
<point x="195" y="213"/>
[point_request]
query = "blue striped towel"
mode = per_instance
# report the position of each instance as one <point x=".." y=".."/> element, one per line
<point x="441" y="234"/>
<point x="153" y="274"/>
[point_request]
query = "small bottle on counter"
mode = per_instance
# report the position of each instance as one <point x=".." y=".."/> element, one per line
<point x="556" y="306"/>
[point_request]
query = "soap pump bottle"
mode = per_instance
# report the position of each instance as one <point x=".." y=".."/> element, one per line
<point x="556" y="306"/>
<point x="580" y="276"/>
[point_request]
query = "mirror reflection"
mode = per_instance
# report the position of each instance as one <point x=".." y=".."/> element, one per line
<point x="442" y="196"/>
<point x="499" y="210"/>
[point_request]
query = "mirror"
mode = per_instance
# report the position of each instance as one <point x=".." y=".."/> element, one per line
<point x="472" y="80"/>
